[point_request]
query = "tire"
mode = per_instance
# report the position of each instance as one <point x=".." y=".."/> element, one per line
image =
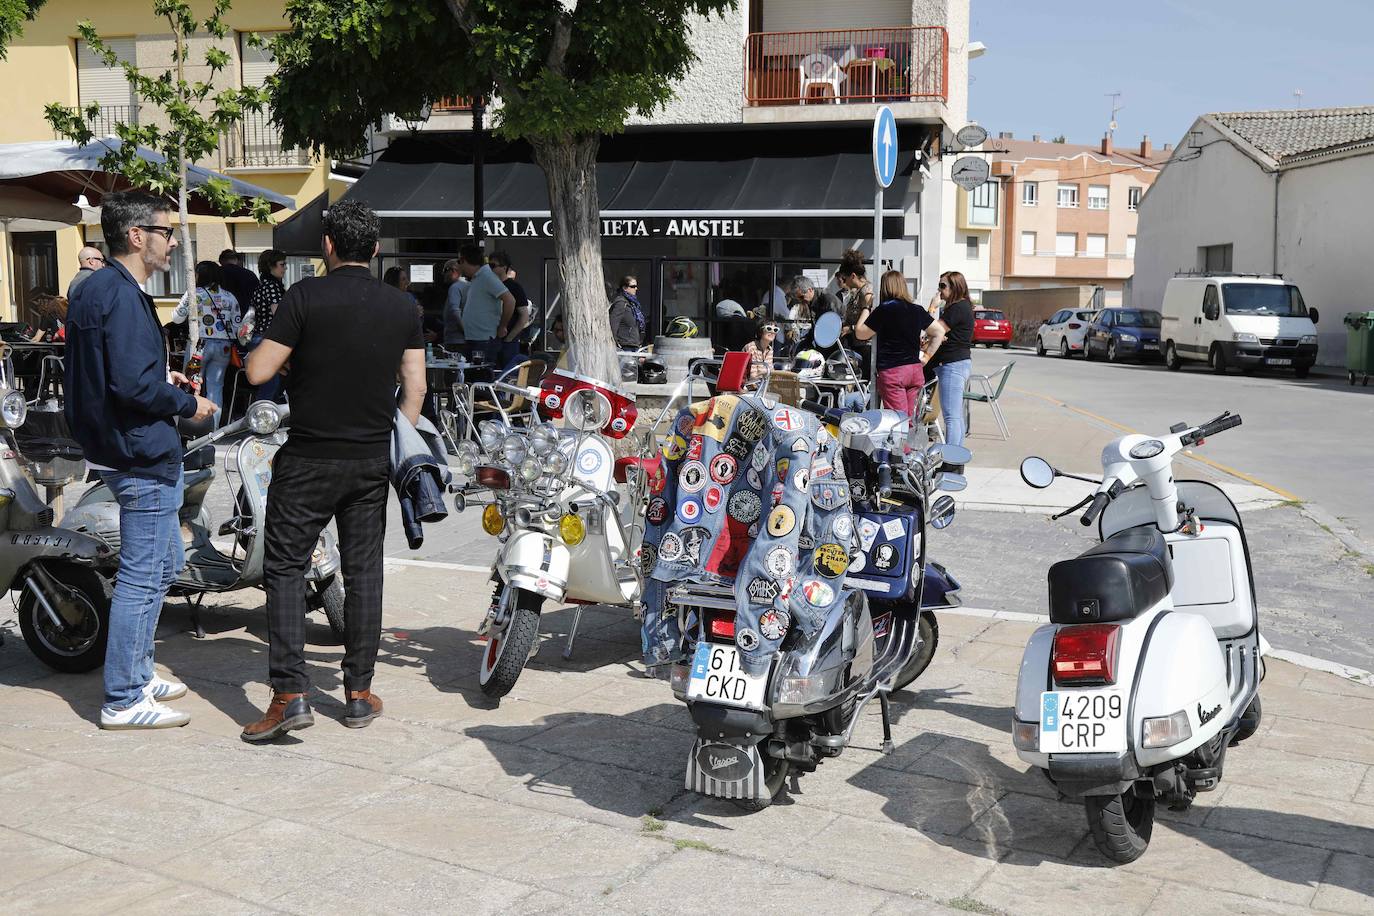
<point x="507" y="651"/>
<point x="929" y="629"/>
<point x="1040" y="351"/>
<point x="1087" y="349"/>
<point x="1112" y="355"/>
<point x="775" y="773"/>
<point x="333" y="606"/>
<point x="1249" y="721"/>
<point x="83" y="648"/>
<point x="1301" y="371"/>
<point x="1063" y="348"/>
<point x="1006" y="345"/>
<point x="1121" y="824"/>
<point x="1171" y="360"/>
<point x="1217" y="360"/>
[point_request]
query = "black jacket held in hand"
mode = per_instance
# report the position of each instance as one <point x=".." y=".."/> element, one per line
<point x="120" y="406"/>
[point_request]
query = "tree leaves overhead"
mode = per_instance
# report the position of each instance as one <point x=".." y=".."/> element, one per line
<point x="347" y="63"/>
<point x="13" y="14"/>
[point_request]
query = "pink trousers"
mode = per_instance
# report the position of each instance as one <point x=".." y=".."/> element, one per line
<point x="900" y="387"/>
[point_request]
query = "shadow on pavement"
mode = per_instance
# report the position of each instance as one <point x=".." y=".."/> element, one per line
<point x="943" y="699"/>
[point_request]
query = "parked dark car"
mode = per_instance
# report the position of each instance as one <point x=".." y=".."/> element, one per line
<point x="991" y="327"/>
<point x="1121" y="334"/>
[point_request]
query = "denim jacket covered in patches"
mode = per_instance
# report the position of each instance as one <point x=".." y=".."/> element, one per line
<point x="752" y="498"/>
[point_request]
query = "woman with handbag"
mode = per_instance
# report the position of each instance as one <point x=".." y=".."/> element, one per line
<point x="216" y="313"/>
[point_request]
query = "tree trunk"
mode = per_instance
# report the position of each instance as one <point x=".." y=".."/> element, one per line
<point x="183" y="219"/>
<point x="569" y="165"/>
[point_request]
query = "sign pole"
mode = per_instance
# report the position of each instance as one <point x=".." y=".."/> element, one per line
<point x="884" y="170"/>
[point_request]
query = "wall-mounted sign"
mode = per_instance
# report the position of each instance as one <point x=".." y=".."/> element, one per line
<point x="648" y="227"/>
<point x="970" y="172"/>
<point x="971" y="135"/>
<point x="421" y="273"/>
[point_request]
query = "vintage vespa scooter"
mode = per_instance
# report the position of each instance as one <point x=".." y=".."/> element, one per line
<point x="1151" y="664"/>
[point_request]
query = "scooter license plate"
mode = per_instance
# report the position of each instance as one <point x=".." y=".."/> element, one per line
<point x="718" y="676"/>
<point x="1083" y="721"/>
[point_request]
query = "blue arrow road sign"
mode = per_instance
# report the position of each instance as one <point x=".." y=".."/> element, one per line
<point x="884" y="146"/>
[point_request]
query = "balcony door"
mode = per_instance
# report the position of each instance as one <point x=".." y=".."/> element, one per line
<point x="106" y="86"/>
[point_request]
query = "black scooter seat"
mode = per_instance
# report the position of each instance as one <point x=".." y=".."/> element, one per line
<point x="1119" y="579"/>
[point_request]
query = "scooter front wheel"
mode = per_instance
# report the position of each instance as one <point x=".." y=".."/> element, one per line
<point x="83" y="596"/>
<point x="332" y="602"/>
<point x="1121" y="824"/>
<point x="929" y="630"/>
<point x="508" y="648"/>
<point x="775" y="772"/>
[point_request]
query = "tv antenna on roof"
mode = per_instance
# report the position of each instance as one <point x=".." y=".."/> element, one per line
<point x="1297" y="96"/>
<point x="1116" y="106"/>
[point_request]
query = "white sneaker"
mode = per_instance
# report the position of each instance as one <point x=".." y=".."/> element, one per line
<point x="160" y="689"/>
<point x="146" y="713"/>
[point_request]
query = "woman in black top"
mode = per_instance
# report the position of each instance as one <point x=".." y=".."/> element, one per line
<point x="900" y="324"/>
<point x="271" y="269"/>
<point x="953" y="362"/>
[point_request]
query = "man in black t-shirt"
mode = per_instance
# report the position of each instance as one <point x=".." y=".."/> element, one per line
<point x="500" y="264"/>
<point x="348" y="337"/>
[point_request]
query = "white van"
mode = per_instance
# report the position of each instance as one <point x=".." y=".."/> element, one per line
<point x="1239" y="320"/>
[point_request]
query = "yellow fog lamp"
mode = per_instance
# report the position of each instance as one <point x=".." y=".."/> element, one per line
<point x="6" y="497"/>
<point x="493" y="522"/>
<point x="571" y="529"/>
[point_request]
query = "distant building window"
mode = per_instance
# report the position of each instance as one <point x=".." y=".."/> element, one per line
<point x="982" y="205"/>
<point x="1068" y="195"/>
<point x="1130" y="246"/>
<point x="1030" y="193"/>
<point x="1097" y="197"/>
<point x="1133" y="197"/>
<point x="1214" y="257"/>
<point x="1028" y="243"/>
<point x="971" y="247"/>
<point x="1097" y="246"/>
<point x="1064" y="244"/>
<point x="975" y="296"/>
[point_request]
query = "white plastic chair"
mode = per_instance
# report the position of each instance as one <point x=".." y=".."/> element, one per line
<point x="820" y="70"/>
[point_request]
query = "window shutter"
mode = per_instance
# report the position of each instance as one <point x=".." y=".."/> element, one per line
<point x="819" y="15"/>
<point x="257" y="63"/>
<point x="252" y="239"/>
<point x="99" y="83"/>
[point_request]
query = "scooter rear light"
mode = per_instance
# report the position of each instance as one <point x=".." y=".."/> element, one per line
<point x="493" y="478"/>
<point x="720" y="625"/>
<point x="1086" y="654"/>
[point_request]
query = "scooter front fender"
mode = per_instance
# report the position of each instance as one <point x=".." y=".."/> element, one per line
<point x="535" y="562"/>
<point x="23" y="547"/>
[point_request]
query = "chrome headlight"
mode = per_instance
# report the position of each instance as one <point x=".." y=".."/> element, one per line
<point x="263" y="418"/>
<point x="13" y="409"/>
<point x="490" y="433"/>
<point x="543" y="439"/>
<point x="514" y="449"/>
<point x="556" y="463"/>
<point x="1244" y="337"/>
<point x="530" y="469"/>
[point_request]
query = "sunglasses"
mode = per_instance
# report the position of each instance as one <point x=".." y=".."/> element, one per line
<point x="164" y="231"/>
<point x="769" y="329"/>
<point x="944" y="286"/>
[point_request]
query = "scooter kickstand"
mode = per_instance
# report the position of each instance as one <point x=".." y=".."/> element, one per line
<point x="196" y="622"/>
<point x="572" y="632"/>
<point x="887" y="724"/>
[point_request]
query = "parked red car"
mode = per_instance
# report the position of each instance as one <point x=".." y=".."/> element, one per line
<point x="990" y="326"/>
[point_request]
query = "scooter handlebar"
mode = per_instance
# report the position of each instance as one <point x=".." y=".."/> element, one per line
<point x="1095" y="509"/>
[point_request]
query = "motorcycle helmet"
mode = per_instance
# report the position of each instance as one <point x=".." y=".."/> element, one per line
<point x="808" y="364"/>
<point x="836" y="368"/>
<point x="653" y="372"/>
<point x="681" y="327"/>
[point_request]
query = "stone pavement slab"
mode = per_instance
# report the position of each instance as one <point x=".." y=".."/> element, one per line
<point x="567" y="795"/>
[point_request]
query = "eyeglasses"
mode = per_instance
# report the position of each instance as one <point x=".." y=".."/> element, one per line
<point x="164" y="231"/>
<point x="944" y="286"/>
<point x="96" y="257"/>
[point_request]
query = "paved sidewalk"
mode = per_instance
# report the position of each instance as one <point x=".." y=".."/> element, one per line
<point x="568" y="796"/>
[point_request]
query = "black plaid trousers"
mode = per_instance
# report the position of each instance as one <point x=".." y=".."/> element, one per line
<point x="304" y="494"/>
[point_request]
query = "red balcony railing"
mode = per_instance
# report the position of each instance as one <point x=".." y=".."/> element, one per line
<point x="902" y="64"/>
<point x="453" y="103"/>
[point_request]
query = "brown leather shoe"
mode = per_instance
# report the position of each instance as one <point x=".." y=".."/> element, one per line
<point x="363" y="707"/>
<point x="287" y="712"/>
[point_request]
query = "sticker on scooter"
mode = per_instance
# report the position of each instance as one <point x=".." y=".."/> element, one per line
<point x="868" y="533"/>
<point x="885" y="559"/>
<point x="590" y="461"/>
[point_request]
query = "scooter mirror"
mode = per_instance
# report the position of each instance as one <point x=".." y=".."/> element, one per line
<point x="827" y="330"/>
<point x="951" y="483"/>
<point x="951" y="454"/>
<point x="1036" y="472"/>
<point x="942" y="512"/>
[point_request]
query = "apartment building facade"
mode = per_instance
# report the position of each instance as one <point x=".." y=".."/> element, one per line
<point x="51" y="63"/>
<point x="757" y="170"/>
<point x="1066" y="214"/>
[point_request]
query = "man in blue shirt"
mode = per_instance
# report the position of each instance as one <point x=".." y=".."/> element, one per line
<point x="487" y="306"/>
<point x="122" y="404"/>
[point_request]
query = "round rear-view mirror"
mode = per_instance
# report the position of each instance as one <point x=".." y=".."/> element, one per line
<point x="827" y="330"/>
<point x="951" y="482"/>
<point x="1036" y="472"/>
<point x="942" y="512"/>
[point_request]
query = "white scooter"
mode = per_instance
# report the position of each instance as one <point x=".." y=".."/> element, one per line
<point x="1151" y="664"/>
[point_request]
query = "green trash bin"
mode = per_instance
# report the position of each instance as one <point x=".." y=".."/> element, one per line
<point x="1359" y="346"/>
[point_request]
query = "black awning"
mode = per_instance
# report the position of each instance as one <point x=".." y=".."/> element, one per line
<point x="299" y="234"/>
<point x="762" y="194"/>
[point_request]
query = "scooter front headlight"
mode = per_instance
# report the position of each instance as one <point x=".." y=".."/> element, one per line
<point x="490" y="433"/>
<point x="13" y="409"/>
<point x="555" y="463"/>
<point x="514" y="450"/>
<point x="571" y="530"/>
<point x="263" y="418"/>
<point x="530" y="469"/>
<point x="543" y="439"/>
<point x="493" y="522"/>
<point x="1166" y="731"/>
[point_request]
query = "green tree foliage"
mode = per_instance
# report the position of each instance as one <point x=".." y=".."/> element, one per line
<point x="566" y="73"/>
<point x="13" y="14"/>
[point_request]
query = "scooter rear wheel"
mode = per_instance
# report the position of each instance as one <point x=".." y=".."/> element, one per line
<point x="1121" y="824"/>
<point x="507" y="650"/>
<point x="80" y="647"/>
<point x="332" y="603"/>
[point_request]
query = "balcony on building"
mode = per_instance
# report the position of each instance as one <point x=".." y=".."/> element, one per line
<point x="256" y="143"/>
<point x="843" y="74"/>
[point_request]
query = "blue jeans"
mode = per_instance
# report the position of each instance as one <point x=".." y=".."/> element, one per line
<point x="150" y="557"/>
<point x="270" y="390"/>
<point x="953" y="380"/>
<point x="216" y="355"/>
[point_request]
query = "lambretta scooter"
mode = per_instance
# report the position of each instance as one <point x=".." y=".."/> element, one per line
<point x="1151" y="664"/>
<point x="237" y="563"/>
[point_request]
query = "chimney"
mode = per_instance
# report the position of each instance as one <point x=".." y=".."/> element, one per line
<point x="1168" y="147"/>
<point x="1147" y="149"/>
<point x="1106" y="144"/>
<point x="1005" y="135"/>
<point x="1035" y="138"/>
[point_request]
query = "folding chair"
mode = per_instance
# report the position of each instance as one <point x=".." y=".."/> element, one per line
<point x="989" y="395"/>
